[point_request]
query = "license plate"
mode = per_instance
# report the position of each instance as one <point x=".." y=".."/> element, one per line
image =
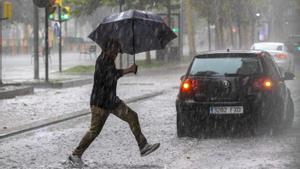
<point x="226" y="110"/>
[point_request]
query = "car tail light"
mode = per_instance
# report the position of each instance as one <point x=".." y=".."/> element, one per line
<point x="188" y="85"/>
<point x="263" y="83"/>
<point x="281" y="56"/>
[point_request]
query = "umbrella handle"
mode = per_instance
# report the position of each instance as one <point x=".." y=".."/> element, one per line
<point x="135" y="72"/>
<point x="135" y="64"/>
<point x="134" y="59"/>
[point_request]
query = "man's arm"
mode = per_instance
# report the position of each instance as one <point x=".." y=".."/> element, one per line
<point x="131" y="69"/>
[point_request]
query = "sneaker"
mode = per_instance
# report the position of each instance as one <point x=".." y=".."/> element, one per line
<point x="76" y="161"/>
<point x="149" y="148"/>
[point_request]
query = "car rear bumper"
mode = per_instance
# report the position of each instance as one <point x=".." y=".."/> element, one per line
<point x="198" y="112"/>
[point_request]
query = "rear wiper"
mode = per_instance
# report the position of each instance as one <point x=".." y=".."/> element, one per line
<point x="206" y="73"/>
<point x="232" y="74"/>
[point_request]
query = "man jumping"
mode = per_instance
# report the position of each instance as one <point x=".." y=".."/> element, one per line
<point x="104" y="102"/>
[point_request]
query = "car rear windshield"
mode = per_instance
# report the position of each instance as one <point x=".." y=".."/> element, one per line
<point x="225" y="66"/>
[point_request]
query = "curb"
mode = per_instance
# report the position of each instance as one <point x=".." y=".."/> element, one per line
<point x="60" y="84"/>
<point x="47" y="122"/>
<point x="15" y="91"/>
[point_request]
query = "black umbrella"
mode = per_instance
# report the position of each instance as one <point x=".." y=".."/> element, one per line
<point x="136" y="31"/>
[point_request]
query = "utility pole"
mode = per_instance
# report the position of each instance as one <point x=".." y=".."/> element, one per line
<point x="59" y="39"/>
<point x="181" y="31"/>
<point x="190" y="31"/>
<point x="46" y="45"/>
<point x="1" y="83"/>
<point x="36" y="41"/>
<point x="169" y="24"/>
<point x="6" y="8"/>
<point x="121" y="2"/>
<point x="169" y="12"/>
<point x="238" y="7"/>
<point x="45" y="4"/>
<point x="216" y="3"/>
<point x="208" y="27"/>
<point x="209" y="35"/>
<point x="63" y="16"/>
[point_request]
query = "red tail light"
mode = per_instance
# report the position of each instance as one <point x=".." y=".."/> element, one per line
<point x="281" y="56"/>
<point x="188" y="85"/>
<point x="263" y="83"/>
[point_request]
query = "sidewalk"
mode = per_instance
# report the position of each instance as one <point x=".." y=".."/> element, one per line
<point x="21" y="68"/>
<point x="51" y="103"/>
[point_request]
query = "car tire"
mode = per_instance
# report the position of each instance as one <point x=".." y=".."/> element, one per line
<point x="180" y="127"/>
<point x="289" y="114"/>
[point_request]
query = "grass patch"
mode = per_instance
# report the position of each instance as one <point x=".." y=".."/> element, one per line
<point x="158" y="63"/>
<point x="80" y="69"/>
<point x="88" y="69"/>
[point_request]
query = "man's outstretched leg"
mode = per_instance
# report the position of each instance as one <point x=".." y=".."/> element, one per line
<point x="99" y="117"/>
<point x="131" y="117"/>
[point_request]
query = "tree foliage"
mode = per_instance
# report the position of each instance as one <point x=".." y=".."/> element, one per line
<point x="226" y="13"/>
<point x="83" y="7"/>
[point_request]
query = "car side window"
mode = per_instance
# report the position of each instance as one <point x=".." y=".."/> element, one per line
<point x="273" y="70"/>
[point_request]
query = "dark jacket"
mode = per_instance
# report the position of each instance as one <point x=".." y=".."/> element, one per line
<point x="105" y="84"/>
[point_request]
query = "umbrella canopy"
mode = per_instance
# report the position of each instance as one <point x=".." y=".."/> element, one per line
<point x="136" y="31"/>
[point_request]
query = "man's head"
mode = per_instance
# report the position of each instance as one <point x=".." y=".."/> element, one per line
<point x="112" y="48"/>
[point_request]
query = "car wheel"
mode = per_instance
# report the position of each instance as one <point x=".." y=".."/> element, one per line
<point x="289" y="114"/>
<point x="180" y="127"/>
<point x="183" y="126"/>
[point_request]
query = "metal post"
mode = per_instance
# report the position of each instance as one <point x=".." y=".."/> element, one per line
<point x="181" y="32"/>
<point x="46" y="45"/>
<point x="1" y="83"/>
<point x="36" y="41"/>
<point x="208" y="27"/>
<point x="169" y="24"/>
<point x="238" y="7"/>
<point x="209" y="35"/>
<point x="253" y="29"/>
<point x="60" y="39"/>
<point x="169" y="12"/>
<point x="121" y="57"/>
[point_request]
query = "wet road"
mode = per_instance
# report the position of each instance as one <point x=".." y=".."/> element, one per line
<point x="116" y="147"/>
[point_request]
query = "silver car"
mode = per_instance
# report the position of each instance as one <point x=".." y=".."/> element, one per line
<point x="279" y="51"/>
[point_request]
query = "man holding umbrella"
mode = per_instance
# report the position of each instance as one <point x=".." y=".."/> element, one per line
<point x="104" y="101"/>
<point x="129" y="32"/>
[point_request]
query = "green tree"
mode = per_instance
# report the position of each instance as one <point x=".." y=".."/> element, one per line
<point x="226" y="13"/>
<point x="83" y="7"/>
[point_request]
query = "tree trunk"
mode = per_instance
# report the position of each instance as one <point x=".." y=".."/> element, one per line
<point x="36" y="42"/>
<point x="190" y="30"/>
<point x="217" y="25"/>
<point x="209" y="35"/>
<point x="246" y="36"/>
<point x="76" y="28"/>
<point x="239" y="25"/>
<point x="221" y="33"/>
<point x="231" y="36"/>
